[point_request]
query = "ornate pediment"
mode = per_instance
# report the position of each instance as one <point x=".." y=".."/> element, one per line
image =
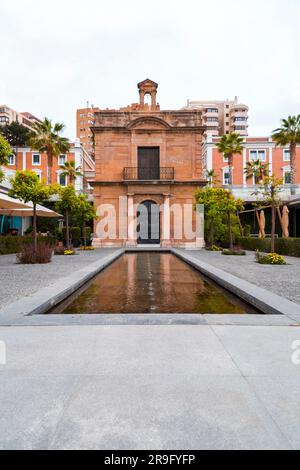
<point x="148" y="123"/>
<point x="147" y="83"/>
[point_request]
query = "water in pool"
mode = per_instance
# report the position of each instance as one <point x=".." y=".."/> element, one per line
<point x="151" y="283"/>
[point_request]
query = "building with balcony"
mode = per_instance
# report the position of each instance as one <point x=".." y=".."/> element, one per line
<point x="148" y="163"/>
<point x="222" y="117"/>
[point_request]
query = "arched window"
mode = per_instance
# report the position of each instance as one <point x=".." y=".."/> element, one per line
<point x="148" y="99"/>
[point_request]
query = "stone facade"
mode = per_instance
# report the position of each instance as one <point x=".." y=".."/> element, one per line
<point x="171" y="138"/>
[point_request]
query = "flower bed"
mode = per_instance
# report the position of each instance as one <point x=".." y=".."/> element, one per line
<point x="271" y="258"/>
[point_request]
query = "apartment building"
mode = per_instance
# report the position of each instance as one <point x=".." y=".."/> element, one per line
<point x="222" y="117"/>
<point x="85" y="119"/>
<point x="8" y="115"/>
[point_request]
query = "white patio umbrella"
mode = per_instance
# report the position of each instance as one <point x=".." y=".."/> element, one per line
<point x="8" y="203"/>
<point x="41" y="211"/>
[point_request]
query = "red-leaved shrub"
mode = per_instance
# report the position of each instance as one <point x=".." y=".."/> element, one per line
<point x="28" y="255"/>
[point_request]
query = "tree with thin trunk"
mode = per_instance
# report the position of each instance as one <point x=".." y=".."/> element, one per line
<point x="289" y="134"/>
<point x="218" y="203"/>
<point x="47" y="138"/>
<point x="17" y="135"/>
<point x="67" y="203"/>
<point x="258" y="170"/>
<point x="70" y="170"/>
<point x="27" y="186"/>
<point x="269" y="195"/>
<point x="230" y="206"/>
<point x="85" y="212"/>
<point x="230" y="145"/>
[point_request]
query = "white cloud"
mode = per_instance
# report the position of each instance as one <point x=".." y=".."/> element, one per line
<point x="56" y="55"/>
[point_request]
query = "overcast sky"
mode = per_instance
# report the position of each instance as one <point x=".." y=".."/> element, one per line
<point x="58" y="54"/>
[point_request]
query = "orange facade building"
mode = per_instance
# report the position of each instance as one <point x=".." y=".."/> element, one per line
<point x="148" y="163"/>
<point x="255" y="148"/>
<point x="29" y="159"/>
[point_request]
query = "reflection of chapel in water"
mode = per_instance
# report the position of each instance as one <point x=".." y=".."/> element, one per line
<point x="151" y="158"/>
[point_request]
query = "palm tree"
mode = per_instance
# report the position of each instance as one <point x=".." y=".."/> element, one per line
<point x="229" y="145"/>
<point x="71" y="171"/>
<point x="212" y="177"/>
<point x="257" y="169"/>
<point x="47" y="139"/>
<point x="289" y="134"/>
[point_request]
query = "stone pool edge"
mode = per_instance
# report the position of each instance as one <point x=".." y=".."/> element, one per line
<point x="267" y="302"/>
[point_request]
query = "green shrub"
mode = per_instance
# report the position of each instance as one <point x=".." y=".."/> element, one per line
<point x="283" y="246"/>
<point x="10" y="244"/>
<point x="221" y="230"/>
<point x="234" y="252"/>
<point x="29" y="255"/>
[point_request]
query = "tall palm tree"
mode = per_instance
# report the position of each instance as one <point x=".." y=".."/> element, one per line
<point x="71" y="171"/>
<point x="257" y="169"/>
<point x="47" y="139"/>
<point x="229" y="145"/>
<point x="289" y="134"/>
<point x="212" y="177"/>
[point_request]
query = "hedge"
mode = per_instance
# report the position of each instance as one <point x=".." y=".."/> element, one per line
<point x="283" y="246"/>
<point x="10" y="244"/>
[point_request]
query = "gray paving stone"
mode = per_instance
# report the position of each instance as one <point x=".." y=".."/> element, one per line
<point x="30" y="409"/>
<point x="165" y="412"/>
<point x="263" y="351"/>
<point x="95" y="350"/>
<point x="250" y="320"/>
<point x="282" y="400"/>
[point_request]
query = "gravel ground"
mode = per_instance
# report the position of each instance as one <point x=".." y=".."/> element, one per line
<point x="19" y="280"/>
<point x="282" y="280"/>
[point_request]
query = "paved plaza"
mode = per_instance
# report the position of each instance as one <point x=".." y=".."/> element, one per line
<point x="141" y="386"/>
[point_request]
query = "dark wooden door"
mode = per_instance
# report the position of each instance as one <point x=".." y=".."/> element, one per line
<point x="148" y="223"/>
<point x="148" y="163"/>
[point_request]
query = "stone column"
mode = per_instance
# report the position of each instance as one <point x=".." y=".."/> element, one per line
<point x="166" y="228"/>
<point x="131" y="238"/>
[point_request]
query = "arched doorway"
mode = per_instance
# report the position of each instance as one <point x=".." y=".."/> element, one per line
<point x="148" y="223"/>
